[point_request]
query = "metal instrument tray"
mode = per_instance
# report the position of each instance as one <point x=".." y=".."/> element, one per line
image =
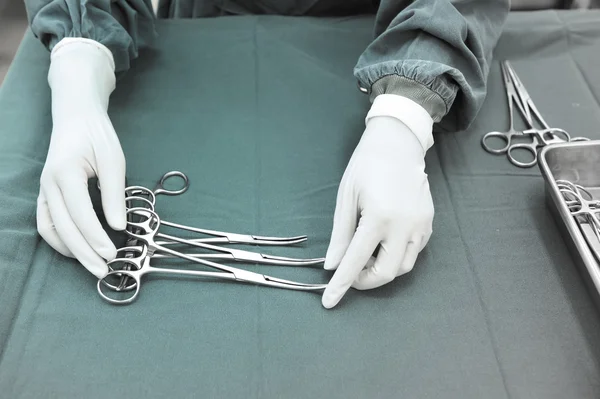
<point x="578" y="162"/>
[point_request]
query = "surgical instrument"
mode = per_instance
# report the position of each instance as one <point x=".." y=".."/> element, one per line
<point x="218" y="237"/>
<point x="222" y="252"/>
<point x="141" y="265"/>
<point x="143" y="198"/>
<point x="584" y="209"/>
<point x="580" y="203"/>
<point x="231" y="254"/>
<point x="139" y="193"/>
<point x="160" y="188"/>
<point x="518" y="95"/>
<point x="513" y="99"/>
<point x="147" y="197"/>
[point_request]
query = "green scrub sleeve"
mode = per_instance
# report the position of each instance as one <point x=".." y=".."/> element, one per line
<point x="435" y="52"/>
<point x="123" y="26"/>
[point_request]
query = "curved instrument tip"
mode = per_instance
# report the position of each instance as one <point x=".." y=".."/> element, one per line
<point x="279" y="240"/>
<point x="285" y="261"/>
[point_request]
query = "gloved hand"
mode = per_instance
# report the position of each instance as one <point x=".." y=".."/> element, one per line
<point x="83" y="145"/>
<point x="383" y="199"/>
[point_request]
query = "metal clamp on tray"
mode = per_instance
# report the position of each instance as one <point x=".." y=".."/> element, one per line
<point x="572" y="175"/>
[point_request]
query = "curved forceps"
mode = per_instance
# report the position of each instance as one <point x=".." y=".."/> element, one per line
<point x="149" y="229"/>
<point x="513" y="98"/>
<point x="238" y="255"/>
<point x="231" y="255"/>
<point x="218" y="237"/>
<point x="539" y="138"/>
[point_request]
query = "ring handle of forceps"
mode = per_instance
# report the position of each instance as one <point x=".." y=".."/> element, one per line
<point x="149" y="225"/>
<point x="131" y="198"/>
<point x="529" y="147"/>
<point x="160" y="186"/>
<point x="540" y="139"/>
<point x="505" y="136"/>
<point x="129" y="264"/>
<point x="133" y="287"/>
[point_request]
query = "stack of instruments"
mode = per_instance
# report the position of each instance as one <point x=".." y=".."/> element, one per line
<point x="147" y="243"/>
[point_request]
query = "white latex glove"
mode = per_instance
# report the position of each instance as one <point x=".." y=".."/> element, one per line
<point x="83" y="145"/>
<point x="383" y="199"/>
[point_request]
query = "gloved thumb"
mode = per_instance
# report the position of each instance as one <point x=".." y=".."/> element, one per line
<point x="355" y="259"/>
<point x="111" y="176"/>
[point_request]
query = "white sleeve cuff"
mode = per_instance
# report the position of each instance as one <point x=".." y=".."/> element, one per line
<point x="414" y="116"/>
<point x="78" y="42"/>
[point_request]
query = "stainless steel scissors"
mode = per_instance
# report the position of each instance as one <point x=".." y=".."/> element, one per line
<point x="141" y="265"/>
<point x="518" y="95"/>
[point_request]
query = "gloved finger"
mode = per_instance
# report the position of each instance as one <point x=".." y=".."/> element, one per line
<point x="391" y="255"/>
<point x="73" y="186"/>
<point x="425" y="239"/>
<point x="356" y="257"/>
<point x="111" y="176"/>
<point x="71" y="236"/>
<point x="410" y="258"/>
<point x="45" y="227"/>
<point x="344" y="226"/>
